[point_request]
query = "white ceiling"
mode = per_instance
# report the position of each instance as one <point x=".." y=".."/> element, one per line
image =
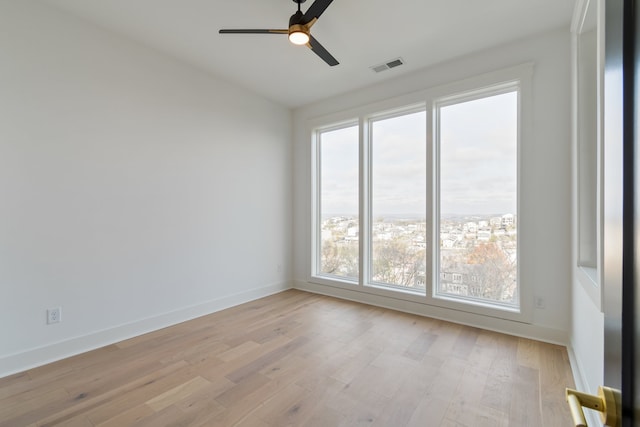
<point x="359" y="33"/>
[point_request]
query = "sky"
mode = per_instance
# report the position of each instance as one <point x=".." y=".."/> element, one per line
<point x="399" y="164"/>
<point x="478" y="152"/>
<point x="478" y="160"/>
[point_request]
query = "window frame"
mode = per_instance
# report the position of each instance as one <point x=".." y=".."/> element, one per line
<point x="316" y="208"/>
<point x="480" y="86"/>
<point x="468" y="96"/>
<point x="367" y="234"/>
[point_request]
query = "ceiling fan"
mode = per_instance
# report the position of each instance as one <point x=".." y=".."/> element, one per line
<point x="299" y="29"/>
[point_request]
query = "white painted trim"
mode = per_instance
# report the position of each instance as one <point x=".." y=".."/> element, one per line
<point x="35" y="357"/>
<point x="510" y="327"/>
<point x="579" y="14"/>
<point x="590" y="282"/>
<point x="582" y="385"/>
<point x="522" y="72"/>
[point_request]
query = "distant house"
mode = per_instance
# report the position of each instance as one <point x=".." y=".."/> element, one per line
<point x="484" y="235"/>
<point x="495" y="222"/>
<point x="507" y="220"/>
<point x="448" y="243"/>
<point x="470" y="227"/>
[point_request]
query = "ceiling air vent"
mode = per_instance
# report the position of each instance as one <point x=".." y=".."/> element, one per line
<point x="388" y="65"/>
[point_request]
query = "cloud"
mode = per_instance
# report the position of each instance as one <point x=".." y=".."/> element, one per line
<point x="478" y="160"/>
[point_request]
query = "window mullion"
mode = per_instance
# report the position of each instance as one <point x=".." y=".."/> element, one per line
<point x="365" y="201"/>
<point x="432" y="236"/>
<point x="316" y="202"/>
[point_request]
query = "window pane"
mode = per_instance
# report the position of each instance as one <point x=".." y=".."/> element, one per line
<point x="478" y="200"/>
<point x="339" y="232"/>
<point x="398" y="189"/>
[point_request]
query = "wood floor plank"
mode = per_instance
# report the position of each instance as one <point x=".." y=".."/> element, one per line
<point x="266" y="359"/>
<point x="239" y="350"/>
<point x="528" y="353"/>
<point x="242" y="360"/>
<point x="25" y="412"/>
<point x="420" y="346"/>
<point x="85" y="406"/>
<point x="129" y="417"/>
<point x="402" y="405"/>
<point x="465" y="342"/>
<point x="291" y="366"/>
<point x="202" y="404"/>
<point x="297" y="358"/>
<point x="525" y="398"/>
<point x="177" y="393"/>
<point x="169" y="416"/>
<point x="242" y="388"/>
<point x="139" y="391"/>
<point x="252" y="421"/>
<point x="282" y="408"/>
<point x="325" y="417"/>
<point x="352" y="366"/>
<point x="76" y="421"/>
<point x="466" y="402"/>
<point x="497" y="394"/>
<point x="553" y="378"/>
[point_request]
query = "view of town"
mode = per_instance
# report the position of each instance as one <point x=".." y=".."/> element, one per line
<point x="477" y="254"/>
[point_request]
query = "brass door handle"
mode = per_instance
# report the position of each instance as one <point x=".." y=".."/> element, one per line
<point x="607" y="402"/>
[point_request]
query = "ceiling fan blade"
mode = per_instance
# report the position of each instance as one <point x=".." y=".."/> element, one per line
<point x="319" y="50"/>
<point x="253" y="31"/>
<point x="315" y="10"/>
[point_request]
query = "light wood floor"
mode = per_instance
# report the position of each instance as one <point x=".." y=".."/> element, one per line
<point x="300" y="359"/>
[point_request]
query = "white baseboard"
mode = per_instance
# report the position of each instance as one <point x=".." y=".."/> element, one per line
<point x="525" y="330"/>
<point x="592" y="418"/>
<point x="578" y="377"/>
<point x="22" y="361"/>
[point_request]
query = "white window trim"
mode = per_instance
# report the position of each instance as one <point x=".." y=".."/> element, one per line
<point x="453" y="92"/>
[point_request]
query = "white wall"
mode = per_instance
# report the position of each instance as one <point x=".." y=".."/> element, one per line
<point x="135" y="191"/>
<point x="545" y="192"/>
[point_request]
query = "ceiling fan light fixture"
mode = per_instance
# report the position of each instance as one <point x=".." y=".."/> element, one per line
<point x="298" y="34"/>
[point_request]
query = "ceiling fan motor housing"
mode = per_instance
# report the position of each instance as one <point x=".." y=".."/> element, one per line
<point x="296" y="19"/>
<point x="296" y="25"/>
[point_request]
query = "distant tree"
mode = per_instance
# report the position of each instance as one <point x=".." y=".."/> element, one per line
<point x="495" y="271"/>
<point x="398" y="262"/>
<point x="330" y="258"/>
<point x="339" y="259"/>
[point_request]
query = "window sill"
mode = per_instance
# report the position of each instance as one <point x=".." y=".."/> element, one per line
<point x="441" y="302"/>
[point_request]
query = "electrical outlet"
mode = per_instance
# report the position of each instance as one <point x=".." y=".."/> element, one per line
<point x="540" y="302"/>
<point x="279" y="268"/>
<point x="54" y="315"/>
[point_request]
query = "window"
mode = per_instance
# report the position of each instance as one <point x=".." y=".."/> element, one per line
<point x="338" y="185"/>
<point x="422" y="201"/>
<point x="398" y="200"/>
<point x="478" y="145"/>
